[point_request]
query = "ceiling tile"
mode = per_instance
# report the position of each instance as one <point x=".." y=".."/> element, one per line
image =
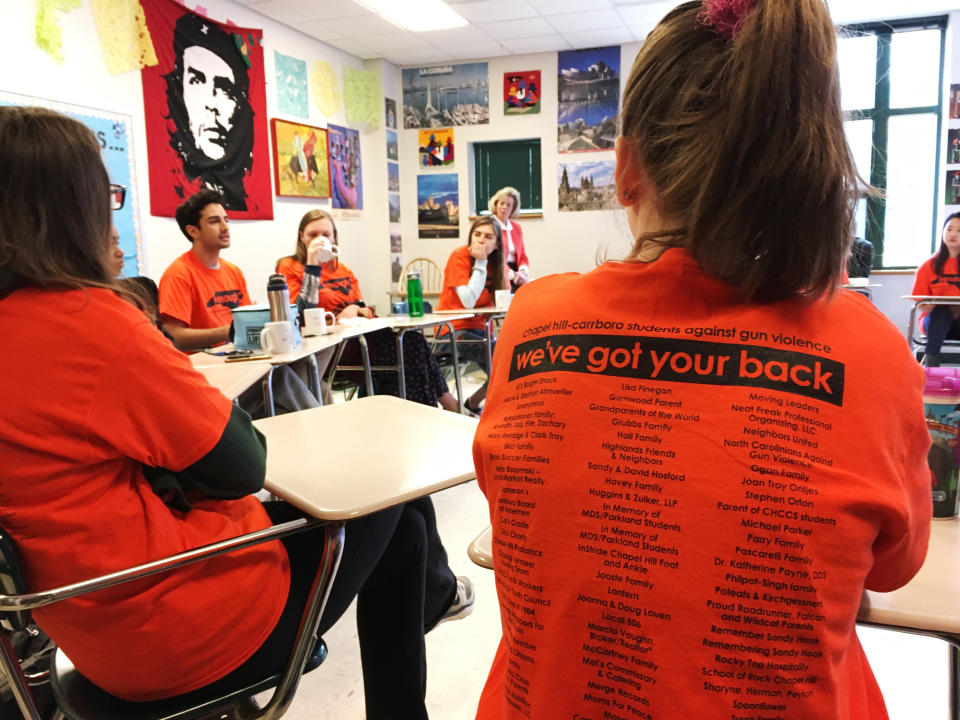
<point x="645" y="13"/>
<point x="423" y="56"/>
<point x="556" y="7"/>
<point x="478" y="51"/>
<point x="640" y="32"/>
<point x="322" y="30"/>
<point x="361" y="26"/>
<point x="518" y="28"/>
<point x="456" y="36"/>
<point x="494" y="10"/>
<point x="597" y="38"/>
<point x="593" y="20"/>
<point x="399" y="40"/>
<point x="542" y="43"/>
<point x="354" y="47"/>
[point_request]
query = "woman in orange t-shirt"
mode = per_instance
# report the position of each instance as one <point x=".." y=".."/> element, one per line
<point x="473" y="274"/>
<point x="121" y="453"/>
<point x="940" y="275"/>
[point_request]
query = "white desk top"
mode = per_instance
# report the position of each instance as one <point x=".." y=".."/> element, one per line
<point x="931" y="601"/>
<point x="353" y="459"/>
<point x="232" y="379"/>
<point x="474" y="311"/>
<point x="934" y="299"/>
<point x="403" y="322"/>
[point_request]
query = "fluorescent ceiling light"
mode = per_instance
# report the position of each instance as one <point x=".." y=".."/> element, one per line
<point x="417" y="15"/>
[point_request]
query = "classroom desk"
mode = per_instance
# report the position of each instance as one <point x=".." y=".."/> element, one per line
<point x="489" y="314"/>
<point x="918" y="341"/>
<point x="353" y="459"/>
<point x="233" y="379"/>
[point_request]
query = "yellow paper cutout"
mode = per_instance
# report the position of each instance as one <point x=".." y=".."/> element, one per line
<point x="326" y="89"/>
<point x="362" y="96"/>
<point x="49" y="36"/>
<point x="124" y="36"/>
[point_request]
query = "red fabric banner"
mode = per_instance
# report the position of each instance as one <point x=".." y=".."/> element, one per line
<point x="206" y="112"/>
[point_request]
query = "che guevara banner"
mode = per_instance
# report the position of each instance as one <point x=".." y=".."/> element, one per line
<point x="206" y="112"/>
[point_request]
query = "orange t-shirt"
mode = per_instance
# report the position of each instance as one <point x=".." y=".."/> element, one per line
<point x="338" y="285"/>
<point x="456" y="273"/>
<point x="200" y="297"/>
<point x="104" y="393"/>
<point x="689" y="494"/>
<point x="927" y="282"/>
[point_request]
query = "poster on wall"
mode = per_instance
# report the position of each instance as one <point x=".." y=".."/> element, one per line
<point x="586" y="186"/>
<point x="436" y="147"/>
<point x="445" y="95"/>
<point x="393" y="147"/>
<point x="393" y="206"/>
<point x="291" y="76"/>
<point x="346" y="183"/>
<point x="521" y="92"/>
<point x="112" y="131"/>
<point x="955" y="102"/>
<point x="393" y="177"/>
<point x="396" y="267"/>
<point x="951" y="195"/>
<point x="438" y="206"/>
<point x="300" y="160"/>
<point x="588" y="90"/>
<point x="205" y="109"/>
<point x="390" y="112"/>
<point x="953" y="146"/>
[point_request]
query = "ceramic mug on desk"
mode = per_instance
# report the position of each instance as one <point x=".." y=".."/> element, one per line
<point x="277" y="337"/>
<point x="315" y="321"/>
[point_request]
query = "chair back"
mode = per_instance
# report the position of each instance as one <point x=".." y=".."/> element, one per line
<point x="431" y="278"/>
<point x="11" y="583"/>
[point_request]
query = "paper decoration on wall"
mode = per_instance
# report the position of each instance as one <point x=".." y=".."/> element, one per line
<point x="438" y="206"/>
<point x="205" y="109"/>
<point x="361" y="96"/>
<point x="393" y="177"/>
<point x="436" y="147"/>
<point x="955" y="102"/>
<point x="113" y="131"/>
<point x="300" y="160"/>
<point x="586" y="186"/>
<point x="521" y="92"/>
<point x="588" y="85"/>
<point x="393" y="206"/>
<point x="951" y="188"/>
<point x="291" y="75"/>
<point x="346" y="183"/>
<point x="393" y="147"/>
<point x="124" y="37"/>
<point x="396" y="267"/>
<point x="326" y="89"/>
<point x="396" y="242"/>
<point x="49" y="36"/>
<point x="390" y="112"/>
<point x="446" y="95"/>
<point x="953" y="146"/>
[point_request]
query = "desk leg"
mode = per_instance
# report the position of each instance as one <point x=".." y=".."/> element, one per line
<point x="489" y="344"/>
<point x="322" y="583"/>
<point x="367" y="372"/>
<point x="456" y="361"/>
<point x="18" y="683"/>
<point x="268" y="406"/>
<point x="401" y="367"/>
<point x="315" y="378"/>
<point x="954" y="679"/>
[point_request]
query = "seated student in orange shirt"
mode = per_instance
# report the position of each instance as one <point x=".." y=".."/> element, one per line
<point x="474" y="272"/>
<point x="199" y="289"/>
<point x="940" y="275"/>
<point x="83" y="434"/>
<point x="693" y="468"/>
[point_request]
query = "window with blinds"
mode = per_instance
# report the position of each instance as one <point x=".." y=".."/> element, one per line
<point x="507" y="162"/>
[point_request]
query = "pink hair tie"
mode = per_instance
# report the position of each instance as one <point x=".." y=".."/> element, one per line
<point x="724" y="17"/>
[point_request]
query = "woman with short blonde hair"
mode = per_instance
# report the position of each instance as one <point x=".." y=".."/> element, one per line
<point x="504" y="205"/>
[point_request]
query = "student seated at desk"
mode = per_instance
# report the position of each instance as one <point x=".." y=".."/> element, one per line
<point x="715" y="470"/>
<point x="98" y="411"/>
<point x="940" y="275"/>
<point x="328" y="283"/>
<point x="474" y="272"/>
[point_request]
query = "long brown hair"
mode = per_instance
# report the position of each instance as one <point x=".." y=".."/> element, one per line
<point x="942" y="253"/>
<point x="55" y="216"/>
<point x="743" y="141"/>
<point x="300" y="254"/>
<point x="496" y="278"/>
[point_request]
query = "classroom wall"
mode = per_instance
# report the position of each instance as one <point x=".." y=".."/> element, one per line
<point x="255" y="245"/>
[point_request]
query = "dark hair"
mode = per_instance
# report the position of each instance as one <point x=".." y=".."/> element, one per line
<point x="300" y="254"/>
<point x="942" y="253"/>
<point x="225" y="174"/>
<point x="55" y="217"/>
<point x="744" y="144"/>
<point x="496" y="279"/>
<point x="192" y="208"/>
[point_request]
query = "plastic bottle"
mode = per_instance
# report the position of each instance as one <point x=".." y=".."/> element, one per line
<point x="278" y="295"/>
<point x="414" y="294"/>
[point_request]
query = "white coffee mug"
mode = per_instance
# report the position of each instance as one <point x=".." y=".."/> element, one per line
<point x="277" y="337"/>
<point x="315" y="321"/>
<point x="503" y="298"/>
<point x="327" y="251"/>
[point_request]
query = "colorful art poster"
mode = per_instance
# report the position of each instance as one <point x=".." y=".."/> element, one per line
<point x="446" y="95"/>
<point x="951" y="188"/>
<point x="396" y="267"/>
<point x="393" y="147"/>
<point x="955" y="102"/>
<point x="300" y="161"/>
<point x="438" y="206"/>
<point x="588" y="87"/>
<point x="436" y="147"/>
<point x="113" y="132"/>
<point x="586" y="186"/>
<point x="393" y="177"/>
<point x="390" y="112"/>
<point x="291" y="76"/>
<point x="521" y="92"/>
<point x="346" y="184"/>
<point x="393" y="205"/>
<point x="953" y="146"/>
<point x="206" y="112"/>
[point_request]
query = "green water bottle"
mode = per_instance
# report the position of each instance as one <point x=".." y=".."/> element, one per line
<point x="414" y="294"/>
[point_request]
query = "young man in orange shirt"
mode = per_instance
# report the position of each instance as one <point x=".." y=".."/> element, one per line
<point x="200" y="289"/>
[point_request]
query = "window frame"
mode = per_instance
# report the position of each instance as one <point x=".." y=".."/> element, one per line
<point x="880" y="114"/>
<point x="479" y="149"/>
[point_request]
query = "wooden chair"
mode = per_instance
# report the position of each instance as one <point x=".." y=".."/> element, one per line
<point x="431" y="277"/>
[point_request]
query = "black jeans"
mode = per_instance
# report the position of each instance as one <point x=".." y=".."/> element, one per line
<point x="940" y="325"/>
